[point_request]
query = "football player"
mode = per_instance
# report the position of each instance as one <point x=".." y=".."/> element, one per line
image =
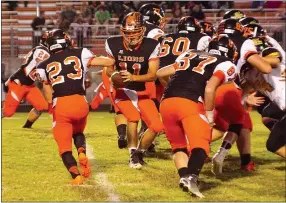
<point x="195" y="77"/>
<point x="189" y="35"/>
<point x="272" y="87"/>
<point x="65" y="73"/>
<point x="208" y="28"/>
<point x="136" y="57"/>
<point x="229" y="97"/>
<point x="21" y="85"/>
<point x="154" y="19"/>
<point x="248" y="20"/>
<point x="103" y="91"/>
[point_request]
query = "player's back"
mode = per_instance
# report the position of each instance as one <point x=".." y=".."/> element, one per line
<point x="175" y="44"/>
<point x="26" y="73"/>
<point x="193" y="70"/>
<point x="65" y="71"/>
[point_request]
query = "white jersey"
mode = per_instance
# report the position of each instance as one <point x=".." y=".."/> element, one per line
<point x="277" y="95"/>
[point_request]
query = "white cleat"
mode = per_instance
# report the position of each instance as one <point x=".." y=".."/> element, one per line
<point x="217" y="160"/>
<point x="189" y="184"/>
<point x="134" y="161"/>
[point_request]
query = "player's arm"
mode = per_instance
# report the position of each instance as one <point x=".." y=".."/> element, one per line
<point x="249" y="53"/>
<point x="48" y="92"/>
<point x="165" y="73"/>
<point x="224" y="72"/>
<point x="101" y="61"/>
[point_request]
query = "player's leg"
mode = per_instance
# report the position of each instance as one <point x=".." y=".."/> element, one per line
<point x="244" y="144"/>
<point x="219" y="128"/>
<point x="13" y="99"/>
<point x="198" y="132"/>
<point x="80" y="144"/>
<point x="121" y="127"/>
<point x="38" y="101"/>
<point x="62" y="132"/>
<point x="276" y="142"/>
<point x="33" y="115"/>
<point x="171" y="115"/>
<point x="150" y="115"/>
<point x="132" y="115"/>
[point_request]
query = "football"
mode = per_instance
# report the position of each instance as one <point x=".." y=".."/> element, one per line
<point x="117" y="80"/>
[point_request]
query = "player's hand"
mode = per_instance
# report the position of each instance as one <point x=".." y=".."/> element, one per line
<point x="126" y="76"/>
<point x="252" y="100"/>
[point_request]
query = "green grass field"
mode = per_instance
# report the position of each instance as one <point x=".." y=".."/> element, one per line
<point x="33" y="171"/>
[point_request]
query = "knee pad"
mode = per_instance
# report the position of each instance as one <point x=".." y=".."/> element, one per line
<point x="184" y="150"/>
<point x="235" y="128"/>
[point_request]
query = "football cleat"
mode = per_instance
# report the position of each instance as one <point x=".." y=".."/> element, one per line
<point x="217" y="160"/>
<point x="78" y="180"/>
<point x="141" y="156"/>
<point x="134" y="161"/>
<point x="84" y="165"/>
<point x="189" y="184"/>
<point x="249" y="167"/>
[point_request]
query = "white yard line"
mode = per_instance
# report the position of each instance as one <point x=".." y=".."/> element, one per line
<point x="101" y="178"/>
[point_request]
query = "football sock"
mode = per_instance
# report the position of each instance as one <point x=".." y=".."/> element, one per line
<point x="79" y="142"/>
<point x="121" y="130"/>
<point x="70" y="163"/>
<point x="226" y="144"/>
<point x="183" y="172"/>
<point x="245" y="159"/>
<point x="196" y="161"/>
<point x="28" y="124"/>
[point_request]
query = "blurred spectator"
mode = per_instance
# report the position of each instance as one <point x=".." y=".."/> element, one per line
<point x="68" y="13"/>
<point x="257" y="4"/>
<point x="37" y="26"/>
<point x="272" y="4"/>
<point x="197" y="12"/>
<point x="64" y="25"/>
<point x="79" y="30"/>
<point x="26" y="3"/>
<point x="102" y="17"/>
<point x="50" y="23"/>
<point x="12" y="5"/>
<point x="177" y="15"/>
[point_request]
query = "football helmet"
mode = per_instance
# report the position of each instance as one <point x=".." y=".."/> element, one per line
<point x="230" y="27"/>
<point x="154" y="14"/>
<point x="189" y="24"/>
<point x="222" y="45"/>
<point x="208" y="28"/>
<point x="132" y="29"/>
<point x="248" y="20"/>
<point x="254" y="30"/>
<point x="260" y="43"/>
<point x="58" y="40"/>
<point x="234" y="14"/>
<point x="43" y="40"/>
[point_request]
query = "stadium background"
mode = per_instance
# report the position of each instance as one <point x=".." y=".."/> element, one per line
<point x="18" y="36"/>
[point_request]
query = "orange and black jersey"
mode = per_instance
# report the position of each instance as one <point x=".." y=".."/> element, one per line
<point x="193" y="70"/>
<point x="66" y="71"/>
<point x="175" y="44"/>
<point x="134" y="61"/>
<point x="26" y="73"/>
